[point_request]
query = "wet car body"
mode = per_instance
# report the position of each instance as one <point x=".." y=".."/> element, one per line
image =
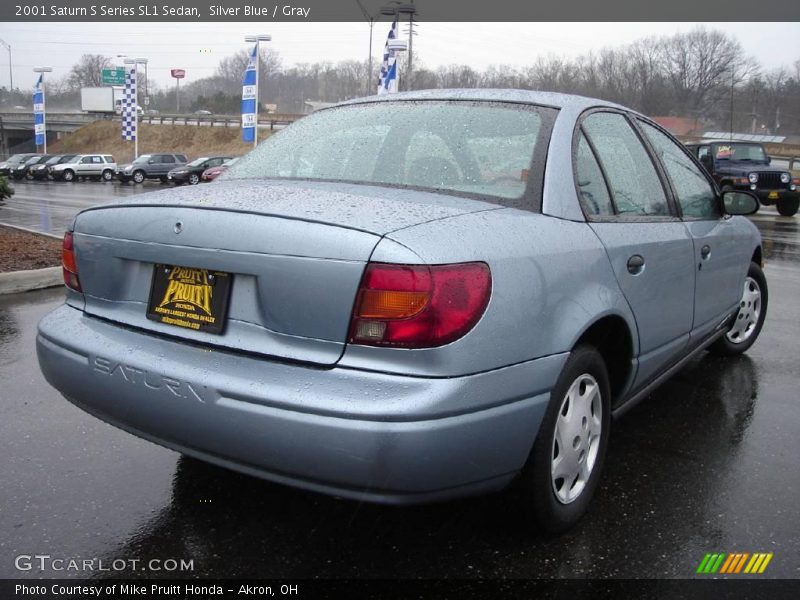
<point x="212" y="173"/>
<point x="325" y="379"/>
<point x="42" y="170"/>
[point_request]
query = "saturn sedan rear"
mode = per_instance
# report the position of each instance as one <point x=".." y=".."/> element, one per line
<point x="411" y="299"/>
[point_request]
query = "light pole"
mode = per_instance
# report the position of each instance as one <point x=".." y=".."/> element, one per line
<point x="42" y="71"/>
<point x="135" y="62"/>
<point x="261" y="37"/>
<point x="7" y="46"/>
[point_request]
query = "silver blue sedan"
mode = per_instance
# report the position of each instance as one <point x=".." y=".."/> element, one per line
<point x="411" y="298"/>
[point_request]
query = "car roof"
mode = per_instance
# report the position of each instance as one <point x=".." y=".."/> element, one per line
<point x="553" y="99"/>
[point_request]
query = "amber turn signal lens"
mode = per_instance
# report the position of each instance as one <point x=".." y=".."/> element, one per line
<point x="384" y="304"/>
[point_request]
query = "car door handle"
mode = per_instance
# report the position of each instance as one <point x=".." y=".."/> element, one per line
<point x="705" y="252"/>
<point x="635" y="264"/>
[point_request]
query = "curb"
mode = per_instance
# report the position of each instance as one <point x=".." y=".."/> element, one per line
<point x="25" y="281"/>
<point x="28" y="230"/>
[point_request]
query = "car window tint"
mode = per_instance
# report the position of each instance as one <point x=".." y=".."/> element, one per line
<point x="167" y="158"/>
<point x="695" y="194"/>
<point x="632" y="177"/>
<point x="592" y="188"/>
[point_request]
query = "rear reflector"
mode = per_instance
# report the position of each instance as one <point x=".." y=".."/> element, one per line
<point x="419" y="306"/>
<point x="68" y="263"/>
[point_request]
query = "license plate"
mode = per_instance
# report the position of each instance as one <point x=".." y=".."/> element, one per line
<point x="195" y="299"/>
<point x="773" y="195"/>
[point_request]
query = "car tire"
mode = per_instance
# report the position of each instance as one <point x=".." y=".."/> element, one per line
<point x="164" y="179"/>
<point x="788" y="207"/>
<point x="749" y="318"/>
<point x="68" y="175"/>
<point x="138" y="177"/>
<point x="108" y="175"/>
<point x="194" y="179"/>
<point x="579" y="407"/>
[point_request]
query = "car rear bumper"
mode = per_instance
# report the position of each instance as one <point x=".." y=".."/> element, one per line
<point x="365" y="435"/>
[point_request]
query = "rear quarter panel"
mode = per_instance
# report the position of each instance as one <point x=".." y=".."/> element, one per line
<point x="551" y="280"/>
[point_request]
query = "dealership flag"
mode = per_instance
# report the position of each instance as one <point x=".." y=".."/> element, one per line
<point x="38" y="111"/>
<point x="249" y="98"/>
<point x="387" y="82"/>
<point x="129" y="102"/>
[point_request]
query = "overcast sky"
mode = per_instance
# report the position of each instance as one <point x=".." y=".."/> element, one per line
<point x="198" y="47"/>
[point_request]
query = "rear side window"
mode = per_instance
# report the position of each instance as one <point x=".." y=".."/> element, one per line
<point x="695" y="194"/>
<point x="180" y="158"/>
<point x="167" y="158"/>
<point x="635" y="186"/>
<point x="592" y="188"/>
<point x="109" y="158"/>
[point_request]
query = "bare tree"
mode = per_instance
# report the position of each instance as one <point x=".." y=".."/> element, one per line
<point x="87" y="72"/>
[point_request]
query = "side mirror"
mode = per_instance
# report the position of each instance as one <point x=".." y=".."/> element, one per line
<point x="152" y="161"/>
<point x="739" y="202"/>
<point x="769" y="160"/>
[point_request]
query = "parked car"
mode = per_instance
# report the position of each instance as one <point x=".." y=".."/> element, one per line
<point x="13" y="162"/>
<point x="42" y="170"/>
<point x="150" y="166"/>
<point x="412" y="297"/>
<point x="203" y="112"/>
<point x="85" y="166"/>
<point x="23" y="171"/>
<point x="746" y="166"/>
<point x="212" y="173"/>
<point x="191" y="172"/>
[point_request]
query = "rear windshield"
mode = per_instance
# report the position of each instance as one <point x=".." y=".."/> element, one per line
<point x="486" y="150"/>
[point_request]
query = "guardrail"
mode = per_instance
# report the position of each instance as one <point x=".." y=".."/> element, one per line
<point x="218" y="120"/>
<point x="794" y="161"/>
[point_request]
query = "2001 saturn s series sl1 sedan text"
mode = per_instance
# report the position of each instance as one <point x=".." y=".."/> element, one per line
<point x="411" y="298"/>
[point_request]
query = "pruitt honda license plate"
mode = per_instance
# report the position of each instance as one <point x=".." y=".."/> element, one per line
<point x="773" y="195"/>
<point x="194" y="299"/>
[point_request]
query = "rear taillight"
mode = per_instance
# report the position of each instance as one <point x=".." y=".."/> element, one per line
<point x="68" y="264"/>
<point x="419" y="306"/>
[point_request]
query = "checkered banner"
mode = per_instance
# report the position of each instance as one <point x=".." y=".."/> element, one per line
<point x="249" y="98"/>
<point x="38" y="112"/>
<point x="387" y="81"/>
<point x="129" y="99"/>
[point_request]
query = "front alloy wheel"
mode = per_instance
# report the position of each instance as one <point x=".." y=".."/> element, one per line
<point x="194" y="179"/>
<point x="138" y="177"/>
<point x="749" y="318"/>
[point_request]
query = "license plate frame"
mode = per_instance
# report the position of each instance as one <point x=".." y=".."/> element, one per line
<point x="189" y="298"/>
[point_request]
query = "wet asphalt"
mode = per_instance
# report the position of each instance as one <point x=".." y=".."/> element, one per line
<point x="709" y="463"/>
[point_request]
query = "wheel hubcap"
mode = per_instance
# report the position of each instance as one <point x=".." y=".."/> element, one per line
<point x="749" y="312"/>
<point x="577" y="438"/>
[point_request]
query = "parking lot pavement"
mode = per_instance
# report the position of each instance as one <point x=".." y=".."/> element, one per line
<point x="707" y="464"/>
<point x="50" y="206"/>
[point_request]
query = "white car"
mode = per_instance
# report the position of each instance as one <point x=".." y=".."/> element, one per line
<point x="96" y="166"/>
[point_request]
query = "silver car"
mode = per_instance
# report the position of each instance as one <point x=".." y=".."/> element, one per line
<point x="411" y="298"/>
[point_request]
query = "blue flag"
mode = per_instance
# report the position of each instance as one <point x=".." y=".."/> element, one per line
<point x="38" y="111"/>
<point x="387" y="81"/>
<point x="249" y="99"/>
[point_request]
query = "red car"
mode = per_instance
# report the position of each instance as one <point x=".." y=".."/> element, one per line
<point x="212" y="173"/>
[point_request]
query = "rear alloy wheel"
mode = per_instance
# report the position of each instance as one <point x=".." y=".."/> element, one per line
<point x="108" y="175"/>
<point x="749" y="318"/>
<point x="788" y="206"/>
<point x="194" y="179"/>
<point x="138" y="177"/>
<point x="69" y="175"/>
<point x="567" y="458"/>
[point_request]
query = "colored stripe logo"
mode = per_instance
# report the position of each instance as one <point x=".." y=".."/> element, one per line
<point x="735" y="563"/>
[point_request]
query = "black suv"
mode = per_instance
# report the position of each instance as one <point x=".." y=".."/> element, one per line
<point x="746" y="166"/>
<point x="150" y="166"/>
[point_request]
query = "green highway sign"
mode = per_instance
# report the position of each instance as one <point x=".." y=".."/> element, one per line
<point x="115" y="76"/>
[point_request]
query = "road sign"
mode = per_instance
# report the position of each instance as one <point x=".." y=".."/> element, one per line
<point x="114" y="76"/>
<point x="178" y="73"/>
